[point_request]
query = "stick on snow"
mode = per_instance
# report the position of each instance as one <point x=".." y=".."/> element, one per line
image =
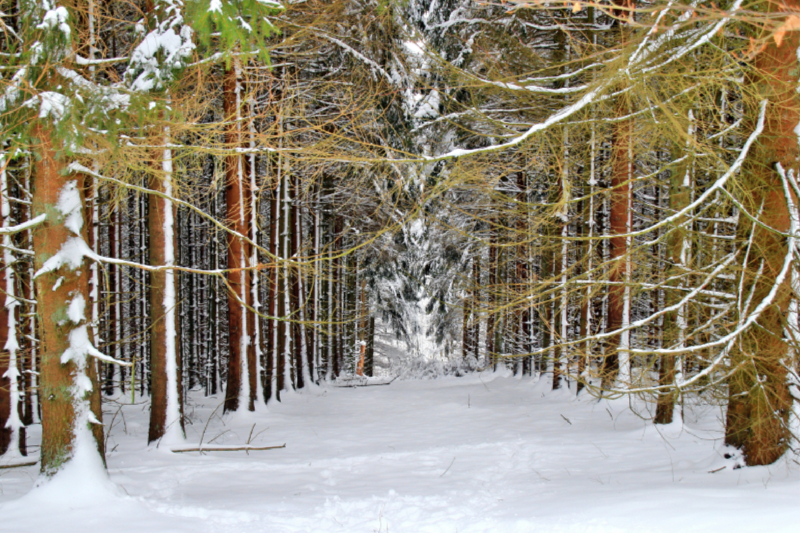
<point x="234" y="448"/>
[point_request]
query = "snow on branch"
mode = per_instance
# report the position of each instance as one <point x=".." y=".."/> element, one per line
<point x="32" y="223"/>
<point x="349" y="49"/>
<point x="729" y="339"/>
<point x="717" y="185"/>
<point x="77" y="167"/>
<point x="637" y="60"/>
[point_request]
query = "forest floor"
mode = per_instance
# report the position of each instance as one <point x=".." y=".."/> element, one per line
<point x="486" y="452"/>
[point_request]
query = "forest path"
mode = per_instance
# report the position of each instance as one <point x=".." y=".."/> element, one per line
<point x="486" y="452"/>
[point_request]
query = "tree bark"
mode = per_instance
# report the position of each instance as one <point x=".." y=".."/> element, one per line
<point x="760" y="401"/>
<point x="491" y="299"/>
<point x="295" y="284"/>
<point x="675" y="321"/>
<point x="166" y="392"/>
<point x="241" y="350"/>
<point x="369" y="358"/>
<point x="618" y="225"/>
<point x="5" y="387"/>
<point x="62" y="399"/>
<point x="272" y="291"/>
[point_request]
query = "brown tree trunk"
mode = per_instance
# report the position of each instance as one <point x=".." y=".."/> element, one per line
<point x="338" y="304"/>
<point x="56" y="379"/>
<point x="618" y="225"/>
<point x="159" y="315"/>
<point x="369" y="358"/>
<point x="475" y="334"/>
<point x="295" y="284"/>
<point x="523" y="315"/>
<point x="241" y="351"/>
<point x="5" y="397"/>
<point x="272" y="288"/>
<point x="466" y="330"/>
<point x="282" y="271"/>
<point x="585" y="218"/>
<point x="679" y="198"/>
<point x="491" y="291"/>
<point x="312" y="341"/>
<point x="760" y="400"/>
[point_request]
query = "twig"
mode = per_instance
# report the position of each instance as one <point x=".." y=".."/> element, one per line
<point x="717" y="470"/>
<point x="567" y="419"/>
<point x="218" y="436"/>
<point x="227" y="448"/>
<point x="18" y="465"/>
<point x="110" y="427"/>
<point x="448" y="468"/>
<point x="250" y="436"/>
<point x="601" y="451"/>
<point x="365" y="385"/>
<point x="203" y="434"/>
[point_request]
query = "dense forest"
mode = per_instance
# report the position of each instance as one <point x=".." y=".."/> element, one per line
<point x="231" y="197"/>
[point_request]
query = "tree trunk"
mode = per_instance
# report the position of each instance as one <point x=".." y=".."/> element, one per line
<point x="166" y="398"/>
<point x="760" y="400"/>
<point x="675" y="322"/>
<point x="369" y="358"/>
<point x="241" y="350"/>
<point x="272" y="290"/>
<point x="475" y="333"/>
<point x="295" y="284"/>
<point x="5" y="389"/>
<point x="10" y="422"/>
<point x="491" y="299"/>
<point x="69" y="391"/>
<point x="619" y="222"/>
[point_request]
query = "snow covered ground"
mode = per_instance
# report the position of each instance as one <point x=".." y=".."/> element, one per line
<point x="479" y="453"/>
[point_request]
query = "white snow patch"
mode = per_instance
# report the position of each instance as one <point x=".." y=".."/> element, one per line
<point x="481" y="453"/>
<point x="50" y="104"/>
<point x="71" y="254"/>
<point x="70" y="204"/>
<point x="56" y="18"/>
<point x="76" y="308"/>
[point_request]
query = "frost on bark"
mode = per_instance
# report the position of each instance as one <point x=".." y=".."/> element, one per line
<point x="759" y="398"/>
<point x="69" y="394"/>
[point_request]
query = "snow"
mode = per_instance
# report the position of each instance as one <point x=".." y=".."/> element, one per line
<point x="69" y="204"/>
<point x="485" y="452"/>
<point x="11" y="346"/>
<point x="50" y="104"/>
<point x="79" y="347"/>
<point x="71" y="253"/>
<point x="173" y="431"/>
<point x="55" y="18"/>
<point x="269" y="3"/>
<point x="76" y="307"/>
<point x="162" y="51"/>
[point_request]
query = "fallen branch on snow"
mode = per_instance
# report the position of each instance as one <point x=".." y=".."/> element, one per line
<point x="18" y="465"/>
<point x="232" y="448"/>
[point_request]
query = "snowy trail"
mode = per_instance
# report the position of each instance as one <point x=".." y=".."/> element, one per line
<point x="479" y="453"/>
